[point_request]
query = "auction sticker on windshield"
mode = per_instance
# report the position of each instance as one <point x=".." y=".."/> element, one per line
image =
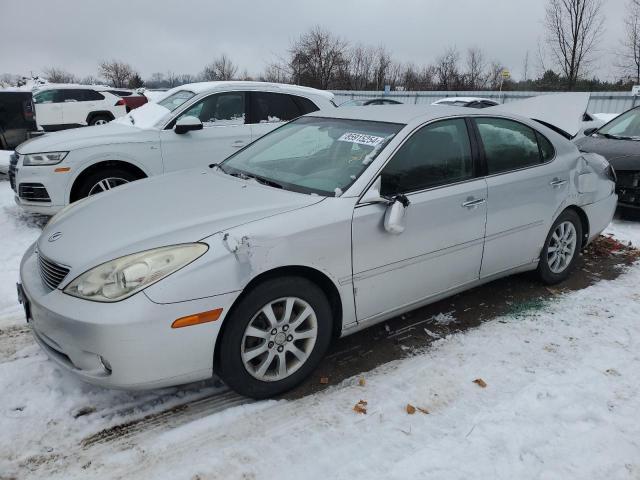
<point x="361" y="139"/>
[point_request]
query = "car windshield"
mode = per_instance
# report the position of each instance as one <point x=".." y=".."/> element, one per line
<point x="312" y="154"/>
<point x="174" y="100"/>
<point x="626" y="126"/>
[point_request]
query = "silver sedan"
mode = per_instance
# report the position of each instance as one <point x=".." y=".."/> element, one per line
<point x="330" y="224"/>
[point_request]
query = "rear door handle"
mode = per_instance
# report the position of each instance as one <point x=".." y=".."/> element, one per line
<point x="238" y="144"/>
<point x="557" y="182"/>
<point x="473" y="203"/>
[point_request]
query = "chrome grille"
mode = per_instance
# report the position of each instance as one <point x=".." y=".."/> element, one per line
<point x="52" y="273"/>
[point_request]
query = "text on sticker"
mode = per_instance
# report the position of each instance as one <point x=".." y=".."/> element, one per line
<point x="361" y="139"/>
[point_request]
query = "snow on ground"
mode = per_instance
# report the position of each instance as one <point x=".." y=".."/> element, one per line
<point x="561" y="401"/>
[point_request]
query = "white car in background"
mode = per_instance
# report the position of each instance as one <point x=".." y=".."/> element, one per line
<point x="63" y="107"/>
<point x="194" y="125"/>
<point x="471" y="102"/>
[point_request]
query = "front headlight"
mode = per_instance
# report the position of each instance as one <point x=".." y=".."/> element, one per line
<point x="120" y="278"/>
<point x="47" y="158"/>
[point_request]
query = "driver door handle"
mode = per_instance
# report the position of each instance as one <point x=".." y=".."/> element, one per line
<point x="238" y="144"/>
<point x="473" y="203"/>
<point x="557" y="182"/>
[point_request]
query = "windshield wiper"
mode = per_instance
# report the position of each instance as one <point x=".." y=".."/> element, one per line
<point x="617" y="137"/>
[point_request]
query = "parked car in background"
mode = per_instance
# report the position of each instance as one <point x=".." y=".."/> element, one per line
<point x="132" y="99"/>
<point x="619" y="142"/>
<point x="60" y="107"/>
<point x="471" y="102"/>
<point x="361" y="102"/>
<point x="192" y="126"/>
<point x="336" y="221"/>
<point x="17" y="118"/>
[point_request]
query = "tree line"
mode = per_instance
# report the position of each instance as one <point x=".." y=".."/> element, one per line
<point x="321" y="59"/>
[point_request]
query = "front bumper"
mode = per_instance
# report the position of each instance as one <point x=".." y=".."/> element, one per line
<point x="128" y="344"/>
<point x="44" y="178"/>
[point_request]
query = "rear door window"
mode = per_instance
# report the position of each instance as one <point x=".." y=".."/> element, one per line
<point x="508" y="145"/>
<point x="268" y="107"/>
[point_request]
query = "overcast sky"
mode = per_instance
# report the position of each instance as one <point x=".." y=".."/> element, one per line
<point x="158" y="35"/>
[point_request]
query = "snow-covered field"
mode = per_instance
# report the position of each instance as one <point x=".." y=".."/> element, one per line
<point x="561" y="401"/>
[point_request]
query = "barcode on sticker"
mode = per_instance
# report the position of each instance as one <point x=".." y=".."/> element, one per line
<point x="361" y="139"/>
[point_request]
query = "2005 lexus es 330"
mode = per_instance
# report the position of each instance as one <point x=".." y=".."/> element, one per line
<point x="327" y="225"/>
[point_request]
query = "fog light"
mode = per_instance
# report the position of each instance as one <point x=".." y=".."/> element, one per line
<point x="105" y="364"/>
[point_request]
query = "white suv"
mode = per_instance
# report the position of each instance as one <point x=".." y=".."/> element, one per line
<point x="191" y="126"/>
<point x="69" y="107"/>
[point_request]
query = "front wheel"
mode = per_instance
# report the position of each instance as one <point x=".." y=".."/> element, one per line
<point x="104" y="180"/>
<point x="275" y="338"/>
<point x="561" y="248"/>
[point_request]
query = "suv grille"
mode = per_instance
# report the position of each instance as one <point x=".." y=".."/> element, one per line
<point x="33" y="192"/>
<point x="628" y="187"/>
<point x="52" y="273"/>
<point x="13" y="161"/>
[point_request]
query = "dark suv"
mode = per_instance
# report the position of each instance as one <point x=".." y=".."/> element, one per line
<point x="17" y="118"/>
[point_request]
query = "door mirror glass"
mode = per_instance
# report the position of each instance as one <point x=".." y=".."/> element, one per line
<point x="590" y="131"/>
<point x="394" y="217"/>
<point x="187" y="124"/>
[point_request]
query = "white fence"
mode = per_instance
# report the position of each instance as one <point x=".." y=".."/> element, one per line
<point x="600" y="102"/>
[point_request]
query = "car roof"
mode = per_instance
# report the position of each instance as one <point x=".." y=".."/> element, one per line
<point x="401" y="113"/>
<point x="202" y="87"/>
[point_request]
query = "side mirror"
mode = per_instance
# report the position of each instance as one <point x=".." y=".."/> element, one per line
<point x="396" y="207"/>
<point x="187" y="124"/>
<point x="394" y="216"/>
<point x="590" y="131"/>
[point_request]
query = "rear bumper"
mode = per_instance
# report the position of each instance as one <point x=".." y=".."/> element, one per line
<point x="600" y="215"/>
<point x="128" y="344"/>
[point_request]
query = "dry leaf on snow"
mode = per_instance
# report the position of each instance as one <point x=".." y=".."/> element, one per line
<point x="480" y="382"/>
<point x="360" y="407"/>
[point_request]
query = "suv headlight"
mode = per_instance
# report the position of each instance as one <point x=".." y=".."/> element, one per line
<point x="120" y="278"/>
<point x="46" y="158"/>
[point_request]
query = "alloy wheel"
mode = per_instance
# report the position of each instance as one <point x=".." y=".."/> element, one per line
<point x="107" y="184"/>
<point x="562" y="247"/>
<point x="100" y="122"/>
<point x="279" y="339"/>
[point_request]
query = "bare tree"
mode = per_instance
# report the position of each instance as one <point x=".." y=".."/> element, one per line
<point x="476" y="77"/>
<point x="573" y="30"/>
<point x="630" y="54"/>
<point x="447" y="70"/>
<point x="525" y="67"/>
<point x="383" y="68"/>
<point x="59" y="75"/>
<point x="317" y="57"/>
<point x="115" y="72"/>
<point x="361" y="66"/>
<point x="91" y="80"/>
<point x="495" y="79"/>
<point x="222" y="68"/>
<point x="276" y="72"/>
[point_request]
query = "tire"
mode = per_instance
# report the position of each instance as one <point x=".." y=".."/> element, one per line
<point x="99" y="120"/>
<point x="242" y="373"/>
<point x="104" y="179"/>
<point x="553" y="269"/>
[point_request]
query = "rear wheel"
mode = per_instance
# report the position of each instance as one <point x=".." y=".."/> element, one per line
<point x="275" y="337"/>
<point x="561" y="248"/>
<point x="99" y="120"/>
<point x="104" y="180"/>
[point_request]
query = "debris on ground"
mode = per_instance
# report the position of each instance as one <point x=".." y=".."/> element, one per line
<point x="480" y="382"/>
<point x="360" y="407"/>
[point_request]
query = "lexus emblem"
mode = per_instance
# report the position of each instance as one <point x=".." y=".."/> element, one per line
<point x="55" y="236"/>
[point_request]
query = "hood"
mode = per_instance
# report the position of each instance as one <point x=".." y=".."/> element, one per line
<point x="621" y="154"/>
<point x="184" y="206"/>
<point x="563" y="111"/>
<point x="75" y="138"/>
